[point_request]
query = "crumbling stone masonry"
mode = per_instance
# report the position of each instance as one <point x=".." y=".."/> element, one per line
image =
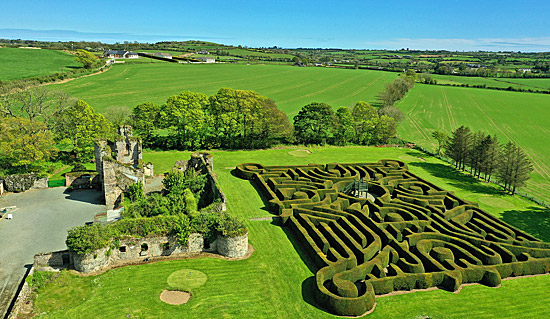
<point x="119" y="164"/>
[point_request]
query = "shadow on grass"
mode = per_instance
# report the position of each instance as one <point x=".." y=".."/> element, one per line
<point x="308" y="285"/>
<point x="457" y="178"/>
<point x="266" y="204"/>
<point x="533" y="220"/>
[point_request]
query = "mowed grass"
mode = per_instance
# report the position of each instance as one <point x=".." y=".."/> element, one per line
<point x="520" y="117"/>
<point x="276" y="281"/>
<point x="290" y="87"/>
<point x="24" y="63"/>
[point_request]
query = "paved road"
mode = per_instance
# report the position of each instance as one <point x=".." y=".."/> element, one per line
<point x="39" y="224"/>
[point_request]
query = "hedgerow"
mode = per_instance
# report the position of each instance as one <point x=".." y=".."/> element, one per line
<point x="407" y="234"/>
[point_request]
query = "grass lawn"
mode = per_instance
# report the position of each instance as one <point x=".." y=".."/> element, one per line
<point x="520" y="117"/>
<point x="290" y="87"/>
<point x="24" y="63"/>
<point x="275" y="281"/>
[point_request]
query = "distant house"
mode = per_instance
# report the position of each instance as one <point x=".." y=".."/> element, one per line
<point x="526" y="70"/>
<point x="206" y="59"/>
<point x="162" y="55"/>
<point x="202" y="52"/>
<point x="120" y="54"/>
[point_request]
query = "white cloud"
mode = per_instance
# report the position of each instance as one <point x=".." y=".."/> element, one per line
<point x="485" y="44"/>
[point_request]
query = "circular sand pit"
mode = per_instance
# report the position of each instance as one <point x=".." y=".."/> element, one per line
<point x="186" y="279"/>
<point x="174" y="297"/>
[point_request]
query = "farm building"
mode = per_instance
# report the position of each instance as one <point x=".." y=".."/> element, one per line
<point x="120" y="54"/>
<point x="206" y="59"/>
<point x="162" y="55"/>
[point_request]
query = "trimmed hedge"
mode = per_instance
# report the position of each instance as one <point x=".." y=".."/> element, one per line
<point x="413" y="235"/>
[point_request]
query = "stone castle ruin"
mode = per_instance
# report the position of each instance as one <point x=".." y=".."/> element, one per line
<point x="119" y="164"/>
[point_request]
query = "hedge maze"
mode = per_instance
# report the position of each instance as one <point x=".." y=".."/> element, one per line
<point x="407" y="234"/>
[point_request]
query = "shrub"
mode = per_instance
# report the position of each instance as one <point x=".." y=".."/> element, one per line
<point x="135" y="191"/>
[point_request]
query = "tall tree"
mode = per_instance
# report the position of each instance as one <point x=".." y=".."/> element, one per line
<point x="489" y="162"/>
<point x="30" y="100"/>
<point x="441" y="138"/>
<point x="458" y="146"/>
<point x="81" y="125"/>
<point x="477" y="152"/>
<point x="23" y="142"/>
<point x="313" y="124"/>
<point x="185" y="114"/>
<point x="386" y="128"/>
<point x="515" y="167"/>
<point x="145" y="120"/>
<point x="365" y="119"/>
<point x="343" y="129"/>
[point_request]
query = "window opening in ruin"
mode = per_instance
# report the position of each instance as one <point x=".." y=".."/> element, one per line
<point x="66" y="259"/>
<point x="144" y="247"/>
<point x="122" y="249"/>
<point x="166" y="246"/>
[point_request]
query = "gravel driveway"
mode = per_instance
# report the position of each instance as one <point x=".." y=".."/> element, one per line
<point x="40" y="223"/>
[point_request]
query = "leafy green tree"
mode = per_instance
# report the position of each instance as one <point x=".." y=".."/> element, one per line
<point x="23" y="142"/>
<point x="145" y="119"/>
<point x="24" y="98"/>
<point x="344" y="129"/>
<point x="386" y="128"/>
<point x="314" y="123"/>
<point x="87" y="59"/>
<point x="441" y="138"/>
<point x="365" y="118"/>
<point x="185" y="114"/>
<point x="245" y="119"/>
<point x="81" y="125"/>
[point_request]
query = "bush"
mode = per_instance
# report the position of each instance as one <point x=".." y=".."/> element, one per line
<point x="135" y="192"/>
<point x="230" y="226"/>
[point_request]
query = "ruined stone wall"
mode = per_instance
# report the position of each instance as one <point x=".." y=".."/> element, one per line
<point x="23" y="182"/>
<point x="83" y="180"/>
<point x="54" y="259"/>
<point x="134" y="250"/>
<point x="1" y="187"/>
<point x="233" y="247"/>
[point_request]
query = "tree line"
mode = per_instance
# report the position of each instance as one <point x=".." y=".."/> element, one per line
<point x="242" y="119"/>
<point x="485" y="157"/>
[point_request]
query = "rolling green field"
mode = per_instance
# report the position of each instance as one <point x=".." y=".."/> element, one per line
<point x="526" y="84"/>
<point x="290" y="87"/>
<point x="519" y="117"/>
<point x="276" y="281"/>
<point x="24" y="63"/>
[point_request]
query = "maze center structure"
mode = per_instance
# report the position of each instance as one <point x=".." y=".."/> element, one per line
<point x="405" y="233"/>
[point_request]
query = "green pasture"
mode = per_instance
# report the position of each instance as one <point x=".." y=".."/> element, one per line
<point x="276" y="281"/>
<point x="290" y="87"/>
<point x="526" y="84"/>
<point x="519" y="117"/>
<point x="24" y="63"/>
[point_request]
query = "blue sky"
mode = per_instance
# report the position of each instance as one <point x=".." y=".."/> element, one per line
<point x="452" y="25"/>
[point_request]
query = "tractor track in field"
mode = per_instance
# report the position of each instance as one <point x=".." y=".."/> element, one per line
<point x="328" y="88"/>
<point x="415" y="123"/>
<point x="447" y="105"/>
<point x="538" y="168"/>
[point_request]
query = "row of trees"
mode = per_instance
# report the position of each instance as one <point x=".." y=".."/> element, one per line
<point x="486" y="157"/>
<point x="36" y="123"/>
<point x="237" y="119"/>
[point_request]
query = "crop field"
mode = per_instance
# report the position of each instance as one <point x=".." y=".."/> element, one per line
<point x="24" y="63"/>
<point x="290" y="87"/>
<point x="277" y="280"/>
<point x="526" y="84"/>
<point x="519" y="117"/>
